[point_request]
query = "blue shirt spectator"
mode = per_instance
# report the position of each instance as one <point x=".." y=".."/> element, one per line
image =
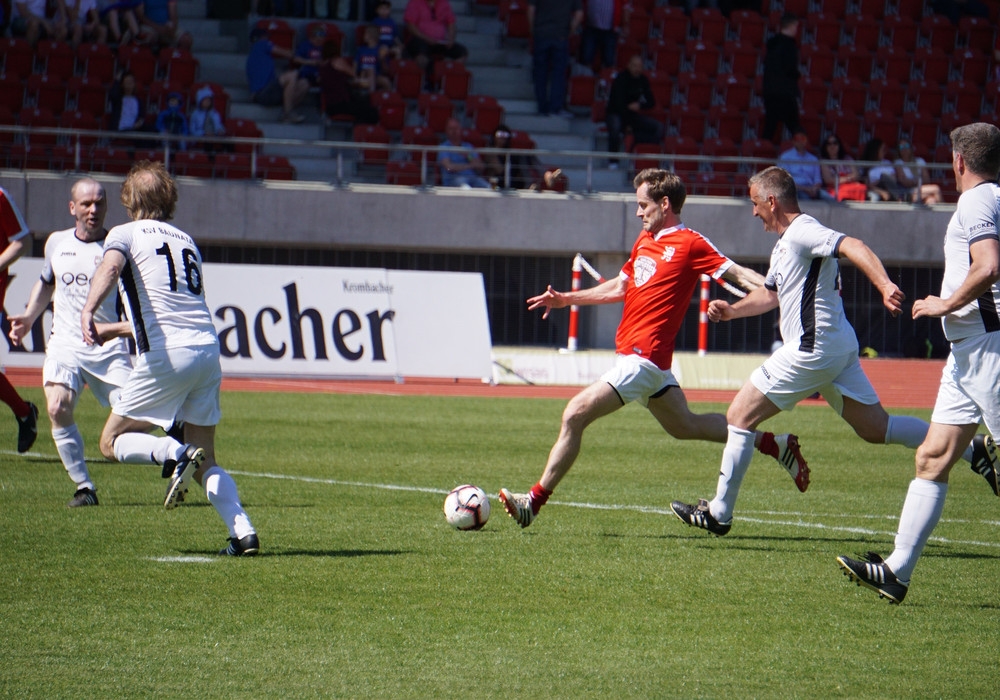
<point x="804" y="168"/>
<point x="460" y="164"/>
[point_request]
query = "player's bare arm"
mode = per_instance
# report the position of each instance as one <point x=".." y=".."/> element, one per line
<point x="984" y="271"/>
<point x="864" y="259"/>
<point x="12" y="252"/>
<point x="743" y="277"/>
<point x="109" y="331"/>
<point x="607" y="292"/>
<point x="105" y="279"/>
<point x="20" y="324"/>
<point x="756" y="302"/>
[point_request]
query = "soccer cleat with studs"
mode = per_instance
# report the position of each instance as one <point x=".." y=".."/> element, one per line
<point x="700" y="516"/>
<point x="984" y="460"/>
<point x="27" y="429"/>
<point x="242" y="547"/>
<point x="874" y="574"/>
<point x="790" y="457"/>
<point x="184" y="469"/>
<point x="83" y="497"/>
<point x="518" y="506"/>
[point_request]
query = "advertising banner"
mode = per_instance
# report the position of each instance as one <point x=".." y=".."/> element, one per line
<point x="325" y="322"/>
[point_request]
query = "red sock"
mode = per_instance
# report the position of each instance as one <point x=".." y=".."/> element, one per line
<point x="539" y="496"/>
<point x="9" y="395"/>
<point x="768" y="446"/>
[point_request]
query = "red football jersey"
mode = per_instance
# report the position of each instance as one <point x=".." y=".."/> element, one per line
<point x="662" y="273"/>
<point x="12" y="227"/>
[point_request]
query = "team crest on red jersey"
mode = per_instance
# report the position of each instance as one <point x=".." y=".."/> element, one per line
<point x="644" y="269"/>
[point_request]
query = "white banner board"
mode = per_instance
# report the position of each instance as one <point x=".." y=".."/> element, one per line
<point x="325" y="322"/>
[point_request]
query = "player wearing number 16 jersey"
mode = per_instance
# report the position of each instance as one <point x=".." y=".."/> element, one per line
<point x="177" y="374"/>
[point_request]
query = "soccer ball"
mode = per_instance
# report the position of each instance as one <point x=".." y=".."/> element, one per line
<point x="467" y="507"/>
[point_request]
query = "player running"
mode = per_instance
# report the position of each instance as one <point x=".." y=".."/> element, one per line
<point x="656" y="283"/>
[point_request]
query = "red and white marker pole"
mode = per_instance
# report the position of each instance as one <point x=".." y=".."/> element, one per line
<point x="579" y="265"/>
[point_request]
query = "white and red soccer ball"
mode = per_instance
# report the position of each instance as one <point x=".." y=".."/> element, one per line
<point x="467" y="507"/>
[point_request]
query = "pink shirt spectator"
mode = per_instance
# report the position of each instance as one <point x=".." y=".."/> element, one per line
<point x="431" y="21"/>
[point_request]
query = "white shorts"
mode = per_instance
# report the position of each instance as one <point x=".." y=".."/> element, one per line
<point x="105" y="376"/>
<point x="969" y="390"/>
<point x="788" y="376"/>
<point x="637" y="379"/>
<point x="179" y="383"/>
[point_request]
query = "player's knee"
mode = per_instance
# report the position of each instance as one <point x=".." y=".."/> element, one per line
<point x="931" y="462"/>
<point x="108" y="447"/>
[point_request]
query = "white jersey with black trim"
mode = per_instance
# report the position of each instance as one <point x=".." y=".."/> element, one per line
<point x="69" y="267"/>
<point x="975" y="218"/>
<point x="806" y="275"/>
<point x="161" y="286"/>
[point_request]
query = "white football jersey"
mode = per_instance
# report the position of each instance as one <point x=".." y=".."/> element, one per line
<point x="975" y="218"/>
<point x="69" y="265"/>
<point x="806" y="275"/>
<point x="161" y="286"/>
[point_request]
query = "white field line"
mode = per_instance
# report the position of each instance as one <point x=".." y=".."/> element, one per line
<point x="784" y="518"/>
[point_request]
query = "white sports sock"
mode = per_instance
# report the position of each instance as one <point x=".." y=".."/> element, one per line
<point x="921" y="512"/>
<point x="69" y="445"/>
<point x="143" y="448"/>
<point x="221" y="491"/>
<point x="735" y="460"/>
<point x="906" y="430"/>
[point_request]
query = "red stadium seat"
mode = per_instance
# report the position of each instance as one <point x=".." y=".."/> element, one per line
<point x="454" y="78"/>
<point x="107" y="159"/>
<point x="670" y="23"/>
<point x="734" y="91"/>
<point x="863" y="32"/>
<point x="38" y="118"/>
<point x="926" y="98"/>
<point x="938" y="31"/>
<point x="887" y="95"/>
<point x="823" y="30"/>
<point x="933" y="64"/>
<point x="727" y="122"/>
<point x="688" y="121"/>
<point x="696" y="90"/>
<point x="849" y="94"/>
<point x="741" y="58"/>
<point x="279" y="32"/>
<point x="701" y="57"/>
<point x="900" y="32"/>
<point x="80" y="121"/>
<point x="371" y="134"/>
<point x="666" y="56"/>
<point x="47" y="91"/>
<point x="179" y="66"/>
<point x="97" y="62"/>
<point x="409" y="78"/>
<point x="819" y="61"/>
<point x="192" y="164"/>
<point x="88" y="95"/>
<point x="57" y="57"/>
<point x="581" y="90"/>
<point x="138" y="60"/>
<point x="484" y="113"/>
<point x="709" y="25"/>
<point x="421" y="136"/>
<point x="18" y="57"/>
<point x="976" y="33"/>
<point x="402" y="172"/>
<point x="748" y="27"/>
<point x="436" y="109"/>
<point x="972" y="65"/>
<point x="243" y="128"/>
<point x="391" y="109"/>
<point x="722" y="148"/>
<point x="893" y="63"/>
<point x="275" y="168"/>
<point x="232" y="166"/>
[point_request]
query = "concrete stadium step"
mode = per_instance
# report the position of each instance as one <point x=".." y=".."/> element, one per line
<point x="226" y="68"/>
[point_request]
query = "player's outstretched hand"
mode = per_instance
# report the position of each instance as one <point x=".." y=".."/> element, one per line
<point x="719" y="310"/>
<point x="892" y="299"/>
<point x="548" y="300"/>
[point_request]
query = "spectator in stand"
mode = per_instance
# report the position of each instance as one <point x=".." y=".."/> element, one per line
<point x="388" y="32"/>
<point x="433" y="28"/>
<point x="267" y="86"/>
<point x="843" y="179"/>
<point x="460" y="164"/>
<point x="804" y="168"/>
<point x="30" y="21"/>
<point x="172" y="122"/>
<point x="912" y="172"/>
<point x="118" y="13"/>
<point x="158" y="19"/>
<point x="781" y="80"/>
<point x="127" y="113"/>
<point x="84" y="22"/>
<point x="552" y="22"/>
<point x="630" y="96"/>
<point x="309" y="55"/>
<point x="600" y="33"/>
<point x="882" y="183"/>
<point x="206" y="122"/>
<point x="526" y="172"/>
<point x="368" y="60"/>
<point x="339" y="88"/>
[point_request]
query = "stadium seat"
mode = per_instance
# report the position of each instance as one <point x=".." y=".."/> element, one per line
<point x="709" y="25"/>
<point x="719" y="147"/>
<point x="192" y="164"/>
<point x="436" y="109"/>
<point x="402" y="172"/>
<point x="670" y="23"/>
<point x="483" y="112"/>
<point x="476" y="139"/>
<point x="637" y="25"/>
<point x="835" y="8"/>
<point x="25" y="156"/>
<point x="964" y="98"/>
<point x="701" y="57"/>
<point x="849" y="94"/>
<point x="815" y="95"/>
<point x="18" y="57"/>
<point x="920" y="128"/>
<point x="409" y="78"/>
<point x="279" y="32"/>
<point x="938" y="32"/>
<point x="823" y="30"/>
<point x="971" y="64"/>
<point x="893" y="63"/>
<point x="863" y="32"/>
<point x="371" y="134"/>
<point x="159" y="90"/>
<point x="80" y="121"/>
<point x="759" y="148"/>
<point x="855" y="62"/>
<point x="887" y="95"/>
<point x="421" y="136"/>
<point x="976" y="33"/>
<point x="108" y="159"/>
<point x="391" y="109"/>
<point x="847" y="125"/>
<point x="741" y="58"/>
<point x="38" y="118"/>
<point x="734" y="91"/>
<point x="727" y="122"/>
<point x="179" y="66"/>
<point x="648" y="155"/>
<point x="68" y="158"/>
<point x="748" y="27"/>
<point x="87" y="94"/>
<point x="933" y="64"/>
<point x="819" y="61"/>
<point x="243" y="128"/>
<point x="57" y="58"/>
<point x="232" y="166"/>
<point x="139" y="61"/>
<point x="454" y="79"/>
<point x="869" y="9"/>
<point x="712" y="184"/>
<point x="927" y="98"/>
<point x="47" y="91"/>
<point x="275" y="168"/>
<point x="882" y="125"/>
<point x="513" y="16"/>
<point x="900" y="32"/>
<point x="581" y="90"/>
<point x="695" y="89"/>
<point x="97" y="62"/>
<point x="626" y="50"/>
<point x="687" y="120"/>
<point x="674" y="146"/>
<point x="666" y="56"/>
<point x="7" y="118"/>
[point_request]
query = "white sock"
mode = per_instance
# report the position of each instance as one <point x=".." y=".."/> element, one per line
<point x="906" y="430"/>
<point x="221" y="491"/>
<point x="69" y="445"/>
<point x="735" y="460"/>
<point x="143" y="448"/>
<point x="921" y="512"/>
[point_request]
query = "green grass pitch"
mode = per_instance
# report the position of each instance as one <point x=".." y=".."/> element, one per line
<point x="362" y="589"/>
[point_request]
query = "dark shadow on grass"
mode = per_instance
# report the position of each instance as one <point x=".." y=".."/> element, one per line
<point x="331" y="553"/>
<point x="744" y="540"/>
